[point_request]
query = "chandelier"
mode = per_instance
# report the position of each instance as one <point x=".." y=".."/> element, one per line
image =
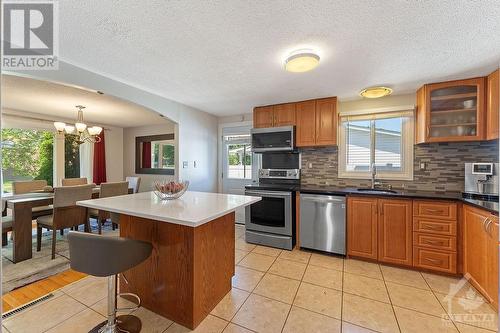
<point x="80" y="129"/>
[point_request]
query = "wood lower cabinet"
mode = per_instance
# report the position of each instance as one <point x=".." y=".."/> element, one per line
<point x="404" y="232"/>
<point x="492" y="105"/>
<point x="481" y="251"/>
<point x="395" y="231"/>
<point x="362" y="227"/>
<point x="263" y="116"/>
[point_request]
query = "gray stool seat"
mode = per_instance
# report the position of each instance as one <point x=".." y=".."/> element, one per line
<point x="109" y="256"/>
<point x="103" y="255"/>
<point x="7" y="222"/>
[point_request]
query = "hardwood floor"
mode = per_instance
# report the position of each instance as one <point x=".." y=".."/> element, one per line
<point x="26" y="294"/>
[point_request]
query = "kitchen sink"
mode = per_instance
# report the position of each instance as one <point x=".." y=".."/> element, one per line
<point x="375" y="190"/>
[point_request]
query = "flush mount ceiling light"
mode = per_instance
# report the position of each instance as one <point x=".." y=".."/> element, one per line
<point x="301" y="61"/>
<point x="375" y="92"/>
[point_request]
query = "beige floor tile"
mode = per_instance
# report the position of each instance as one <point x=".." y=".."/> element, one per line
<point x="296" y="255"/>
<point x="45" y="316"/>
<point x="470" y="311"/>
<point x="262" y="314"/>
<point x="240" y="244"/>
<point x="404" y="276"/>
<point x="415" y="299"/>
<point x="152" y="322"/>
<point x="462" y="328"/>
<point x="327" y="261"/>
<point x="301" y="321"/>
<point x="4" y="329"/>
<point x="324" y="277"/>
<point x="364" y="268"/>
<point x="102" y="306"/>
<point x="351" y="328"/>
<point x="230" y="304"/>
<point x="89" y="290"/>
<point x="442" y="284"/>
<point x="370" y="314"/>
<point x="288" y="268"/>
<point x="232" y="328"/>
<point x="367" y="287"/>
<point x="268" y="251"/>
<point x="319" y="299"/>
<point x="210" y="324"/>
<point x="80" y="322"/>
<point x="416" y="322"/>
<point x="245" y="278"/>
<point x="257" y="261"/>
<point x="278" y="288"/>
<point x="239" y="254"/>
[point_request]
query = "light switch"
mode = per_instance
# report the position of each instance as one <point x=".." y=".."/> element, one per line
<point x="422" y="166"/>
<point x="194" y="164"/>
<point x="309" y="165"/>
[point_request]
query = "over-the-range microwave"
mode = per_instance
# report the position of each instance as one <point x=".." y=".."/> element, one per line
<point x="273" y="139"/>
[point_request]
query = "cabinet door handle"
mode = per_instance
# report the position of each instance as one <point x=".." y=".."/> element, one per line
<point x="437" y="261"/>
<point x="431" y="242"/>
<point x="484" y="224"/>
<point x="430" y="210"/>
<point x="433" y="227"/>
<point x="487" y="227"/>
<point x="428" y="130"/>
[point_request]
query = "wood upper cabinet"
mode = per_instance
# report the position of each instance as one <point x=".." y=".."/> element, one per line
<point x="306" y="123"/>
<point x="326" y="121"/>
<point x="476" y="247"/>
<point x="315" y="120"/>
<point x="395" y="231"/>
<point x="284" y="114"/>
<point x="451" y="111"/>
<point x="492" y="105"/>
<point x="263" y="116"/>
<point x="362" y="227"/>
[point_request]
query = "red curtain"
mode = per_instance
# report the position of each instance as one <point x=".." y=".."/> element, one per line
<point x="146" y="155"/>
<point x="99" y="161"/>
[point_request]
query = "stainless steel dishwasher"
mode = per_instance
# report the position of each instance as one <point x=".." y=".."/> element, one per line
<point x="323" y="222"/>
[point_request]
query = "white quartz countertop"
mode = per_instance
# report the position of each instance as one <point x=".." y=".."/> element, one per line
<point x="192" y="209"/>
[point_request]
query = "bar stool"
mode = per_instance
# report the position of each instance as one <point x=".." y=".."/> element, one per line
<point x="106" y="256"/>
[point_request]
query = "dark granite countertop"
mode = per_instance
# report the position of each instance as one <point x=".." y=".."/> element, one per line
<point x="491" y="206"/>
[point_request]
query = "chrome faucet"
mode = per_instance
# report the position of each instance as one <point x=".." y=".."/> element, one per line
<point x="375" y="183"/>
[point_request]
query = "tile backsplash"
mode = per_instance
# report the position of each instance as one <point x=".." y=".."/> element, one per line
<point x="444" y="166"/>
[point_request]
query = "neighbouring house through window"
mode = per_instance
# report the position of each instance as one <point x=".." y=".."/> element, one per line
<point x="383" y="141"/>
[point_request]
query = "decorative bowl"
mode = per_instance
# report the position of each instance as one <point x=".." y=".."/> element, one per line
<point x="169" y="190"/>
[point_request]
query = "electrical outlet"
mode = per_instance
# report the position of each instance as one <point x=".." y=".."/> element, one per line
<point x="423" y="166"/>
<point x="185" y="164"/>
<point x="309" y="165"/>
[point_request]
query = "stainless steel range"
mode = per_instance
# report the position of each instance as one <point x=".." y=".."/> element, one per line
<point x="271" y="221"/>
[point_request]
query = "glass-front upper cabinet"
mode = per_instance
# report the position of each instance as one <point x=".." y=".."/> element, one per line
<point x="451" y="111"/>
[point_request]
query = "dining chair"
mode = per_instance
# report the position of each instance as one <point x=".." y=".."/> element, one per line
<point x="111" y="189"/>
<point x="6" y="223"/>
<point x="30" y="186"/>
<point x="134" y="183"/>
<point x="74" y="181"/>
<point x="66" y="214"/>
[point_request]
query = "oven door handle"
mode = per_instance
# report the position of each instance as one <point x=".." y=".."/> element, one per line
<point x="268" y="193"/>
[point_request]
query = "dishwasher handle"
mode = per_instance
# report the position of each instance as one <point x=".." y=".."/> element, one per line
<point x="323" y="199"/>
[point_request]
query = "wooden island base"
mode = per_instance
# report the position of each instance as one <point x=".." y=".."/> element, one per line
<point x="189" y="270"/>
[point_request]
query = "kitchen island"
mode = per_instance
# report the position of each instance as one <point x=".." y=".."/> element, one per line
<point x="192" y="263"/>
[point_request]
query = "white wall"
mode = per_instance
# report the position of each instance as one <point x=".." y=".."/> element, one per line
<point x="197" y="130"/>
<point x="129" y="135"/>
<point x="113" y="138"/>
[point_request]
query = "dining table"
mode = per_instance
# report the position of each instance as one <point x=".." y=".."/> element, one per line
<point x="21" y="206"/>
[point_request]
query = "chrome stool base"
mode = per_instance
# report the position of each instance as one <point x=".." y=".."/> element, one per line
<point x="124" y="324"/>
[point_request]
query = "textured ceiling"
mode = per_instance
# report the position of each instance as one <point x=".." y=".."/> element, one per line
<point x="224" y="57"/>
<point x="58" y="101"/>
